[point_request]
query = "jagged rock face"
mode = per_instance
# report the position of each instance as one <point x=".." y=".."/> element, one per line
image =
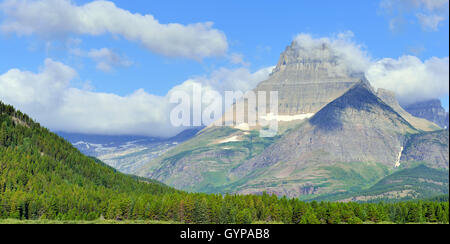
<point x="432" y="148"/>
<point x="356" y="127"/>
<point x="431" y="110"/>
<point x="305" y="85"/>
<point x="419" y="123"/>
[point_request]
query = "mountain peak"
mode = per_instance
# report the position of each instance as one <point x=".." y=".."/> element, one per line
<point x="364" y="84"/>
<point x="355" y="129"/>
<point x="308" y="79"/>
<point x="359" y="98"/>
<point x="318" y="61"/>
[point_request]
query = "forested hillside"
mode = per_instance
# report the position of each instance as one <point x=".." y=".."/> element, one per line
<point x="43" y="177"/>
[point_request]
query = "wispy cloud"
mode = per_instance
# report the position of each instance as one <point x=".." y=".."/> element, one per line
<point x="429" y="13"/>
<point x="105" y="58"/>
<point x="238" y="58"/>
<point x="430" y="22"/>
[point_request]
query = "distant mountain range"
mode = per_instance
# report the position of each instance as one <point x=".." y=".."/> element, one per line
<point x="125" y="153"/>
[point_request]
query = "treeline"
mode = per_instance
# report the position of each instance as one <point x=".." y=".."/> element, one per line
<point x="43" y="177"/>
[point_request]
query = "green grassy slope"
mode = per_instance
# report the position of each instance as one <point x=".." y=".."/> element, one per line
<point x="203" y="164"/>
<point x="419" y="182"/>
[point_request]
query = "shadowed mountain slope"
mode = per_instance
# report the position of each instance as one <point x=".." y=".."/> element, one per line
<point x="356" y="127"/>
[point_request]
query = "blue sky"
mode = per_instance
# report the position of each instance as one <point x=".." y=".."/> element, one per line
<point x="257" y="31"/>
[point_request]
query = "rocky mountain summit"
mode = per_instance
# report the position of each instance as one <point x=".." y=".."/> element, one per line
<point x="305" y="85"/>
<point x="431" y="110"/>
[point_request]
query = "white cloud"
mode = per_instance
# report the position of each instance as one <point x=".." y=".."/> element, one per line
<point x="240" y="79"/>
<point x="429" y="13"/>
<point x="410" y="78"/>
<point x="48" y="97"/>
<point x="37" y="90"/>
<point x="63" y="17"/>
<point x="349" y="56"/>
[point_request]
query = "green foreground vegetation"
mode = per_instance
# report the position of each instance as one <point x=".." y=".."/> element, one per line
<point x="43" y="179"/>
<point x="133" y="222"/>
<point x="95" y="222"/>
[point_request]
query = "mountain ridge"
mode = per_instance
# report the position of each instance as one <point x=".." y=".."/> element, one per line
<point x="431" y="110"/>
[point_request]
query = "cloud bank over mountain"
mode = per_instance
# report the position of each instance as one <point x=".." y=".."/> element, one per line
<point x="410" y="78"/>
<point x="49" y="97"/>
<point x="340" y="48"/>
<point x="64" y="18"/>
